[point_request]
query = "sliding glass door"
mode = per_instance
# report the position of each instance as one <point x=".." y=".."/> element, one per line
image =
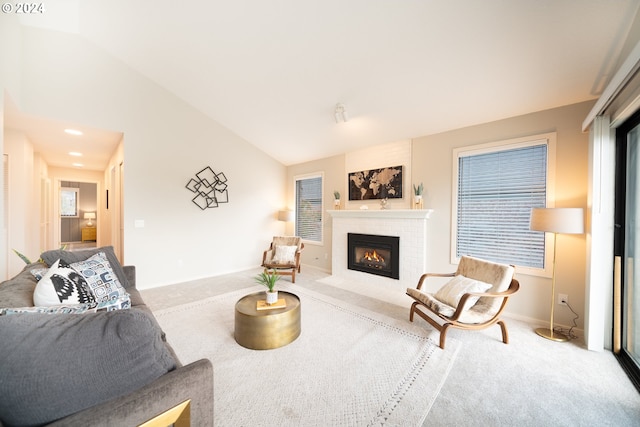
<point x="627" y="247"/>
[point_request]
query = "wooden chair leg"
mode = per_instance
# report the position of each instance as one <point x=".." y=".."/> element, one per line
<point x="412" y="311"/>
<point x="293" y="276"/>
<point x="505" y="333"/>
<point x="443" y="334"/>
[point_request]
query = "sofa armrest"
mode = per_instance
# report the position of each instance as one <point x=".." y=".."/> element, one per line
<point x="193" y="381"/>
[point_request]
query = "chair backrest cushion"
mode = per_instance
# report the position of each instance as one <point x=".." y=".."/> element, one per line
<point x="287" y="241"/>
<point x="498" y="275"/>
<point x="452" y="291"/>
<point x="283" y="251"/>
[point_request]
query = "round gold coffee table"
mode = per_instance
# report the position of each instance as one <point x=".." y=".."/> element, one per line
<point x="267" y="329"/>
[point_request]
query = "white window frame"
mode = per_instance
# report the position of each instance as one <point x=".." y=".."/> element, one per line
<point x="295" y="204"/>
<point x="546" y="138"/>
<point x="76" y="201"/>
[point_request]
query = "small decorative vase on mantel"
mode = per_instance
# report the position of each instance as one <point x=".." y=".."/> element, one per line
<point x="336" y="200"/>
<point x="269" y="278"/>
<point x="417" y="196"/>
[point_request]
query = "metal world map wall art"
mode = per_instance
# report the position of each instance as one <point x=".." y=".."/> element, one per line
<point x="210" y="189"/>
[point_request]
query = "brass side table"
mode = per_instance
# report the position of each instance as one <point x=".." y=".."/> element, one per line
<point x="267" y="329"/>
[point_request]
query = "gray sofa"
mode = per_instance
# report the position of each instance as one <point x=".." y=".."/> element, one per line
<point x="100" y="368"/>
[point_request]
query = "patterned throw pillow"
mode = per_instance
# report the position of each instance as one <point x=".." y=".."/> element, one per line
<point x="284" y="254"/>
<point x="101" y="280"/>
<point x="121" y="303"/>
<point x="39" y="273"/>
<point x="61" y="285"/>
<point x="452" y="291"/>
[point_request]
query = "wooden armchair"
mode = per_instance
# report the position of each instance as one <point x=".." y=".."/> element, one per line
<point x="283" y="256"/>
<point x="474" y="299"/>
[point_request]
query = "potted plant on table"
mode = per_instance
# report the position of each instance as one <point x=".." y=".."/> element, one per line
<point x="269" y="278"/>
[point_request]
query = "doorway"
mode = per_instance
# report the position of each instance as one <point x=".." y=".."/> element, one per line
<point x="78" y="210"/>
<point x="627" y="247"/>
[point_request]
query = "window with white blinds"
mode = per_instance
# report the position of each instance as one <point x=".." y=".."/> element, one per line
<point x="496" y="188"/>
<point x="308" y="208"/>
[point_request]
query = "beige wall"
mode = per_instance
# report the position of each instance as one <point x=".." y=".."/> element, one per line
<point x="432" y="159"/>
<point x="431" y="164"/>
<point x="166" y="141"/>
<point x="319" y="255"/>
<point x="23" y="206"/>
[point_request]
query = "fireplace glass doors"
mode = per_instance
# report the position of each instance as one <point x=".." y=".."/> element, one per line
<point x="374" y="254"/>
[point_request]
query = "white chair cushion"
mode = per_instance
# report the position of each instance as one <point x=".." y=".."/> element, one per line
<point x="452" y="291"/>
<point x="284" y="254"/>
<point x="477" y="313"/>
<point x="499" y="275"/>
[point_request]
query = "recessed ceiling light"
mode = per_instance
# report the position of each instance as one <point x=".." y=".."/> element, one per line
<point x="75" y="153"/>
<point x="78" y="165"/>
<point x="73" y="132"/>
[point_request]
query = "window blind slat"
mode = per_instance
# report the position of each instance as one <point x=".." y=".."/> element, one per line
<point x="309" y="208"/>
<point x="496" y="191"/>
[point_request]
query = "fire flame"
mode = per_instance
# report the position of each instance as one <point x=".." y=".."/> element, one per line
<point x="373" y="256"/>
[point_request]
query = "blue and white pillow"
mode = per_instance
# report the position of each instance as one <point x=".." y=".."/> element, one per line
<point x="39" y="273"/>
<point x="121" y="303"/>
<point x="84" y="286"/>
<point x="100" y="278"/>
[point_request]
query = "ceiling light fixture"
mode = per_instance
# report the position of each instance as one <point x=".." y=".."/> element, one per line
<point x="340" y="113"/>
<point x="75" y="154"/>
<point x="78" y="165"/>
<point x="73" y="132"/>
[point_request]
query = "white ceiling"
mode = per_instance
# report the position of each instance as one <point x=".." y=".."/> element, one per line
<point x="273" y="71"/>
<point x="49" y="138"/>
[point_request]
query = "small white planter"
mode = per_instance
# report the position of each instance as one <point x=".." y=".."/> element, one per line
<point x="272" y="297"/>
<point x="417" y="201"/>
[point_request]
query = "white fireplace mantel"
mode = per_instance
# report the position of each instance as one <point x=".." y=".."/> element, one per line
<point x="410" y="225"/>
<point x="382" y="213"/>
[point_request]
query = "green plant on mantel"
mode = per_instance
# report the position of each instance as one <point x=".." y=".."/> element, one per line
<point x="268" y="278"/>
<point x="418" y="190"/>
<point x="336" y="195"/>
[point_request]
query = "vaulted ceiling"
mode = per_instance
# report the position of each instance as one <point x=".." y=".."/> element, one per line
<point x="273" y="71"/>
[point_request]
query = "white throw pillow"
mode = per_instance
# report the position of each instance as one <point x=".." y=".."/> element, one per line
<point x="452" y="291"/>
<point x="284" y="254"/>
<point x="61" y="285"/>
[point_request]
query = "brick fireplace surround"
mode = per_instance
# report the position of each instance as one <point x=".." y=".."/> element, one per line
<point x="409" y="225"/>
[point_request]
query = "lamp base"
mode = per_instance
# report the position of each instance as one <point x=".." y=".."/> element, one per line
<point x="551" y="335"/>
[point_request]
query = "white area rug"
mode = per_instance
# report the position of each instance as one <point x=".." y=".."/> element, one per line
<point x="348" y="367"/>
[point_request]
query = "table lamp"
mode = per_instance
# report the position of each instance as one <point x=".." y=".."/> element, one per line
<point x="285" y="215"/>
<point x="89" y="216"/>
<point x="556" y="220"/>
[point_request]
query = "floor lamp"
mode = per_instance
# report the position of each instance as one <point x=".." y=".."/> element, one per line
<point x="556" y="220"/>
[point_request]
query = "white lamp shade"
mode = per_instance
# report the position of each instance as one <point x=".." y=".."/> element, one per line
<point x="557" y="220"/>
<point x="285" y="215"/>
<point x="89" y="215"/>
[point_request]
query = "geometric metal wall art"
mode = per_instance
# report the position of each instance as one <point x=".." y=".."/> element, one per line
<point x="210" y="188"/>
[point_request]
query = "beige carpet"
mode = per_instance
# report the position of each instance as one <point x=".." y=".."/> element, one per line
<point x="350" y="366"/>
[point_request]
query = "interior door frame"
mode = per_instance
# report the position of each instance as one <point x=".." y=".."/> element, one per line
<point x="57" y="220"/>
